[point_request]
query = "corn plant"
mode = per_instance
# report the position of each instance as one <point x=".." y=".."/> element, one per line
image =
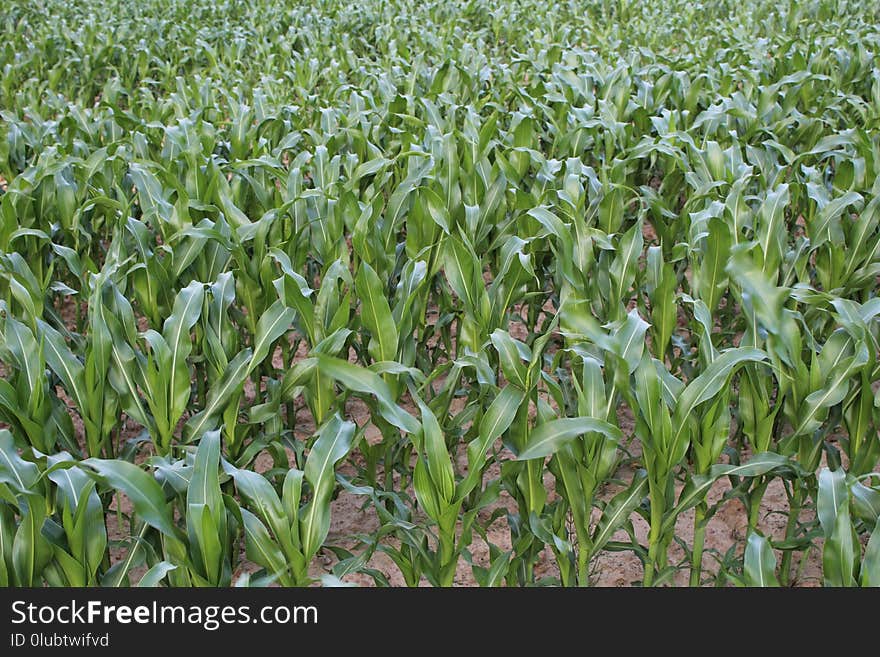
<point x="526" y="281"/>
<point x="283" y="534"/>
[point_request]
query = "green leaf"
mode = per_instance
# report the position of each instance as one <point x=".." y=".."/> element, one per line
<point x="14" y="470"/>
<point x="870" y="571"/>
<point x="495" y="421"/>
<point x="272" y="325"/>
<point x="366" y="382"/>
<point x="711" y="276"/>
<point x="31" y="552"/>
<point x="838" y="553"/>
<point x="141" y="489"/>
<point x="219" y="395"/>
<point x="376" y="314"/>
<point x="759" y="562"/>
<point x="256" y="490"/>
<point x="832" y="493"/>
<point x="618" y="510"/>
<point x="19" y="340"/>
<point x="547" y="438"/>
<point x="771" y="229"/>
<point x="703" y="388"/>
<point x="204" y="485"/>
<point x="62" y="361"/>
<point x="510" y="357"/>
<point x="832" y="392"/>
<point x="333" y="443"/>
<point x="260" y="547"/>
<point x="154" y="205"/>
<point x="438" y="461"/>
<point x="459" y="265"/>
<point x="156" y="574"/>
<point x="176" y="331"/>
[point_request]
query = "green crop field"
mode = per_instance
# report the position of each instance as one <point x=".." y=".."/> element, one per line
<point x="408" y="292"/>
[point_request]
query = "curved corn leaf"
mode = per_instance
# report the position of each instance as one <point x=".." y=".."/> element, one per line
<point x="547" y="438"/>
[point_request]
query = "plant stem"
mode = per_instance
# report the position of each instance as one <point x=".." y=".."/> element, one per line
<point x="448" y="560"/>
<point x="755" y="503"/>
<point x="699" y="539"/>
<point x="583" y="557"/>
<point x="653" y="541"/>
<point x="790" y="527"/>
